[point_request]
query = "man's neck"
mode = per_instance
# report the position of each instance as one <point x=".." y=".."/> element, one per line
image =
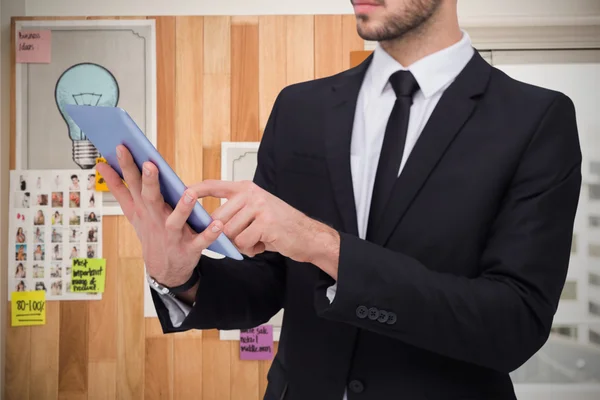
<point x="420" y="43"/>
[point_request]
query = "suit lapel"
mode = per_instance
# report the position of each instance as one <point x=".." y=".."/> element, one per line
<point x="451" y="113"/>
<point x="339" y="121"/>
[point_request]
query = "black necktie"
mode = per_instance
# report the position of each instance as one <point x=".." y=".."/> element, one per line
<point x="405" y="86"/>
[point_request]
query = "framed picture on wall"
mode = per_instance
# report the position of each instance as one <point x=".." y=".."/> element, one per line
<point x="91" y="62"/>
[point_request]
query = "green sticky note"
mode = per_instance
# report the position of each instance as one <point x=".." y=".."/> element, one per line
<point x="88" y="275"/>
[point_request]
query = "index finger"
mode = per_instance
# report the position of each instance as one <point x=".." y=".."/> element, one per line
<point x="215" y="188"/>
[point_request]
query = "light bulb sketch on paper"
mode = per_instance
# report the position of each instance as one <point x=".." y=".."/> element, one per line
<point x="85" y="84"/>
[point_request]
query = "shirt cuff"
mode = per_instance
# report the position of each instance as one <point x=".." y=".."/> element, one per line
<point x="178" y="311"/>
<point x="331" y="291"/>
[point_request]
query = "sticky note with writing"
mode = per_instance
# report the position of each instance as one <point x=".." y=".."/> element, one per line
<point x="257" y="343"/>
<point x="28" y="308"/>
<point x="88" y="275"/>
<point x="101" y="185"/>
<point x="34" y="46"/>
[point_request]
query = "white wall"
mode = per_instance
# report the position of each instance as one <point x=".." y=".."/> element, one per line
<point x="468" y="8"/>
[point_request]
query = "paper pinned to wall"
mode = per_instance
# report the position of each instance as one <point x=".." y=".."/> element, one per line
<point x="28" y="308"/>
<point x="55" y="217"/>
<point x="34" y="46"/>
<point x="256" y="343"/>
<point x="89" y="275"/>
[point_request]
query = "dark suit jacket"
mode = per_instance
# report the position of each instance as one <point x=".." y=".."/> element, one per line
<point x="459" y="285"/>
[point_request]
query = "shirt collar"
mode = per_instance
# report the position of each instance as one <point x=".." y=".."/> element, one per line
<point x="432" y="73"/>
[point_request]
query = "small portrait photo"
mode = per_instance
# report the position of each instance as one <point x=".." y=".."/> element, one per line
<point x="38" y="234"/>
<point x="57" y="235"/>
<point x="74" y="218"/>
<point x="74" y="199"/>
<point x="91" y="217"/>
<point x="39" y="218"/>
<point x="22" y="199"/>
<point x="57" y="182"/>
<point x="74" y="234"/>
<point x="23" y="183"/>
<point x="20" y="286"/>
<point x="20" y="217"/>
<point x="38" y="271"/>
<point x="57" y="252"/>
<point x="68" y="268"/>
<point x="38" y="253"/>
<point x="56" y="288"/>
<point x="74" y="184"/>
<point x="21" y="252"/>
<point x="92" y="234"/>
<point x="20" y="271"/>
<point x="68" y="288"/>
<point x="57" y="199"/>
<point x="42" y="200"/>
<point x="57" y="217"/>
<point x="38" y="183"/>
<point x="92" y="200"/>
<point x="91" y="182"/>
<point x="56" y="271"/>
<point x="40" y="285"/>
<point x="91" y="251"/>
<point x="74" y="252"/>
<point x="20" y="237"/>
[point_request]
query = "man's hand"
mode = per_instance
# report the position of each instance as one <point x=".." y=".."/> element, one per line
<point x="171" y="249"/>
<point x="256" y="221"/>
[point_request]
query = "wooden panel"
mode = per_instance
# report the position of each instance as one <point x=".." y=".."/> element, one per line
<point x="351" y="40"/>
<point x="272" y="62"/>
<point x="165" y="87"/>
<point x="102" y="324"/>
<point x="189" y="34"/>
<point x="300" y="49"/>
<point x="216" y="368"/>
<point x="357" y="57"/>
<point x="188" y="374"/>
<point x="102" y="380"/>
<point x="328" y="45"/>
<point x="244" y="376"/>
<point x="129" y="245"/>
<point x="244" y="80"/>
<point x="44" y="355"/>
<point x="73" y="355"/>
<point x="159" y="368"/>
<point x="130" y="329"/>
<point x="18" y="360"/>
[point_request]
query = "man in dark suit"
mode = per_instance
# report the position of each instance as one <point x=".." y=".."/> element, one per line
<point x="413" y="216"/>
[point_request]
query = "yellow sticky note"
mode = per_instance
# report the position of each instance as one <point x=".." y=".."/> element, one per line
<point x="88" y="275"/>
<point x="28" y="308"/>
<point x="101" y="185"/>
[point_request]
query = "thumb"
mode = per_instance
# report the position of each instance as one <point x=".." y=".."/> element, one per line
<point x="208" y="236"/>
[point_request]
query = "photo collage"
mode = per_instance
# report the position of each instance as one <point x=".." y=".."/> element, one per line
<point x="55" y="216"/>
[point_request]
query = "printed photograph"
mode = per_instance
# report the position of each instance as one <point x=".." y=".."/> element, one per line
<point x="57" y="252"/>
<point x="40" y="285"/>
<point x="91" y="251"/>
<point x="74" y="199"/>
<point x="38" y="271"/>
<point x="92" y="235"/>
<point x="39" y="218"/>
<point x="91" y="217"/>
<point x="74" y="234"/>
<point x="22" y="199"/>
<point x="74" y="218"/>
<point x="20" y="286"/>
<point x="74" y="184"/>
<point x="21" y="252"/>
<point x="57" y="235"/>
<point x="57" y="199"/>
<point x="42" y="200"/>
<point x="38" y="253"/>
<point x="56" y="271"/>
<point x="57" y="217"/>
<point x="92" y="200"/>
<point x="56" y="288"/>
<point x="21" y="237"/>
<point x="20" y="271"/>
<point x="38" y="234"/>
<point x="57" y="182"/>
<point x="74" y="252"/>
<point x="91" y="182"/>
<point x="23" y="183"/>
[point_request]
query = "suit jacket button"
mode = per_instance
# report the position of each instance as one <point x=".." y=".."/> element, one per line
<point x="356" y="386"/>
<point x="391" y="318"/>
<point x="361" y="312"/>
<point x="383" y="316"/>
<point x="373" y="313"/>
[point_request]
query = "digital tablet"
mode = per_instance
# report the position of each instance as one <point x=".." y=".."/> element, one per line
<point x="108" y="127"/>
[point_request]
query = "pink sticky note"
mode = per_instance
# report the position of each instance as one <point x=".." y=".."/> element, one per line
<point x="34" y="46"/>
<point x="257" y="343"/>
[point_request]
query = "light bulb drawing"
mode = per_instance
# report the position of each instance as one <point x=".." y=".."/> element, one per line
<point x="85" y="84"/>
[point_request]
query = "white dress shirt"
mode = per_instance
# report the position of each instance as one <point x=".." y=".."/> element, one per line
<point x="376" y="98"/>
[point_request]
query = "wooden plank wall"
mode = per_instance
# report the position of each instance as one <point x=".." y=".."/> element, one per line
<point x="218" y="77"/>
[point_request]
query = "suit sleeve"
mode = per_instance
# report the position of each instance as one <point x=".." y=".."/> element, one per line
<point x="236" y="294"/>
<point x="500" y="318"/>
